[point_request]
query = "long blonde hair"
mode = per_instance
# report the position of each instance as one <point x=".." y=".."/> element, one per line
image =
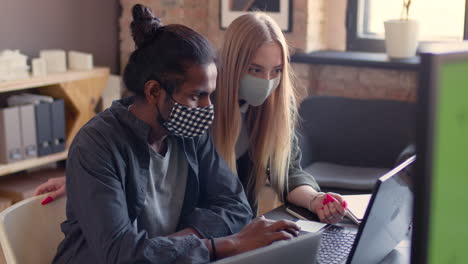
<point x="271" y="125"/>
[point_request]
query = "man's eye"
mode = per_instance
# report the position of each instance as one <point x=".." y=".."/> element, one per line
<point x="278" y="70"/>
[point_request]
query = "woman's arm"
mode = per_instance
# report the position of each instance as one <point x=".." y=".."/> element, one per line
<point x="331" y="212"/>
<point x="305" y="192"/>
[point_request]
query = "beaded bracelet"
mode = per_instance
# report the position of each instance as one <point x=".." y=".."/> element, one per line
<point x="313" y="199"/>
<point x="213" y="248"/>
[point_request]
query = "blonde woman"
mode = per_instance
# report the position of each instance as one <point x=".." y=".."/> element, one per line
<point x="256" y="115"/>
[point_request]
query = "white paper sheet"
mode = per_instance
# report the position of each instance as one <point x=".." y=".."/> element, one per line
<point x="357" y="204"/>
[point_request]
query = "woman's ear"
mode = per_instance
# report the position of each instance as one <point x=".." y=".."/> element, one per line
<point x="152" y="91"/>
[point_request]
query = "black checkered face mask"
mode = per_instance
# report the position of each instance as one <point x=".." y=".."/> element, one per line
<point x="189" y="122"/>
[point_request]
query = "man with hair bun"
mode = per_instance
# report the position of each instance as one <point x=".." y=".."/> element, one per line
<point x="144" y="182"/>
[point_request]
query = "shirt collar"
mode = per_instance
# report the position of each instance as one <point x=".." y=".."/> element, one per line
<point x="120" y="109"/>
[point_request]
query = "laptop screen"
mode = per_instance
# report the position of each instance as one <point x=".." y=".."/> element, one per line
<point x="388" y="217"/>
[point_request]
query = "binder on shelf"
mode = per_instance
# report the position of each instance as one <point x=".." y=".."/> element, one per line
<point x="50" y="121"/>
<point x="44" y="128"/>
<point x="27" y="104"/>
<point x="28" y="131"/>
<point x="27" y="98"/>
<point x="10" y="135"/>
<point x="58" y="125"/>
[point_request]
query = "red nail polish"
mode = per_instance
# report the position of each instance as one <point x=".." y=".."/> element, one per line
<point x="328" y="199"/>
<point x="345" y="204"/>
<point x="47" y="200"/>
<point x="321" y="208"/>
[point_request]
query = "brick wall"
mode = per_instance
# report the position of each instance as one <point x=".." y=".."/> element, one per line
<point x="192" y="13"/>
<point x="308" y="26"/>
<point x="308" y="31"/>
<point x="356" y="82"/>
<point x="315" y="27"/>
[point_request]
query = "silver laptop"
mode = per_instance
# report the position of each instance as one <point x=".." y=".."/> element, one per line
<point x="299" y="250"/>
<point x="386" y="223"/>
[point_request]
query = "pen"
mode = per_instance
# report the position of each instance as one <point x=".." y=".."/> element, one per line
<point x="348" y="213"/>
<point x="291" y="212"/>
<point x="352" y="217"/>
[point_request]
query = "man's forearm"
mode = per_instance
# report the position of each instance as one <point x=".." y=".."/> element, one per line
<point x="186" y="232"/>
<point x="225" y="246"/>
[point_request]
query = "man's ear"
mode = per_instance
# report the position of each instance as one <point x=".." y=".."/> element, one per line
<point x="152" y="91"/>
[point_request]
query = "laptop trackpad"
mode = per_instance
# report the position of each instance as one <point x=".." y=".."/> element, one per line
<point x="310" y="226"/>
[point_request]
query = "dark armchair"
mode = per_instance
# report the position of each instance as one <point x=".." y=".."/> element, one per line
<point x="348" y="143"/>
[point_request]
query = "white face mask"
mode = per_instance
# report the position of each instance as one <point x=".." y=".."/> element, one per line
<point x="256" y="90"/>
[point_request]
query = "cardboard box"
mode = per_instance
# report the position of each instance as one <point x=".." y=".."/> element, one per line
<point x="39" y="67"/>
<point x="56" y="60"/>
<point x="80" y="61"/>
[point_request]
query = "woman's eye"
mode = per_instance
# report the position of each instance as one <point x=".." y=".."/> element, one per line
<point x="278" y="70"/>
<point x="254" y="70"/>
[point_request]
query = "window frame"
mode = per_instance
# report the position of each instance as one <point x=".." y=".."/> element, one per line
<point x="356" y="43"/>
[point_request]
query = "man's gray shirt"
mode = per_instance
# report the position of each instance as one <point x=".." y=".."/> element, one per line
<point x="166" y="190"/>
<point x="107" y="182"/>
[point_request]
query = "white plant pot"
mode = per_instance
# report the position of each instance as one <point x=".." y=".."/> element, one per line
<point x="401" y="38"/>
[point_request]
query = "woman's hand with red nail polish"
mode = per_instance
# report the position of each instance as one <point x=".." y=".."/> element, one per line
<point x="54" y="187"/>
<point x="47" y="200"/>
<point x="329" y="208"/>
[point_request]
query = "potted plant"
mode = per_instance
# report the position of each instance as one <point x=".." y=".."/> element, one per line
<point x="402" y="35"/>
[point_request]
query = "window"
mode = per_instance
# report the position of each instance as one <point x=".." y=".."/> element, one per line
<point x="444" y="20"/>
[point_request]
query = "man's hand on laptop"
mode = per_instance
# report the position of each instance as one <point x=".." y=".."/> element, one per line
<point x="260" y="232"/>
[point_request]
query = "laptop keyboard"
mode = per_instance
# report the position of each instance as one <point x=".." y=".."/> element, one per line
<point x="335" y="245"/>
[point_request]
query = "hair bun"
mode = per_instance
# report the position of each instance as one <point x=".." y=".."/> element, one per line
<point x="144" y="24"/>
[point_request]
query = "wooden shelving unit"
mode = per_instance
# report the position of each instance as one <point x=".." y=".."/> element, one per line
<point x="52" y="79"/>
<point x="80" y="90"/>
<point x="6" y="169"/>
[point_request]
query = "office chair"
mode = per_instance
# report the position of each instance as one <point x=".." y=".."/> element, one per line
<point x="347" y="144"/>
<point x="30" y="232"/>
